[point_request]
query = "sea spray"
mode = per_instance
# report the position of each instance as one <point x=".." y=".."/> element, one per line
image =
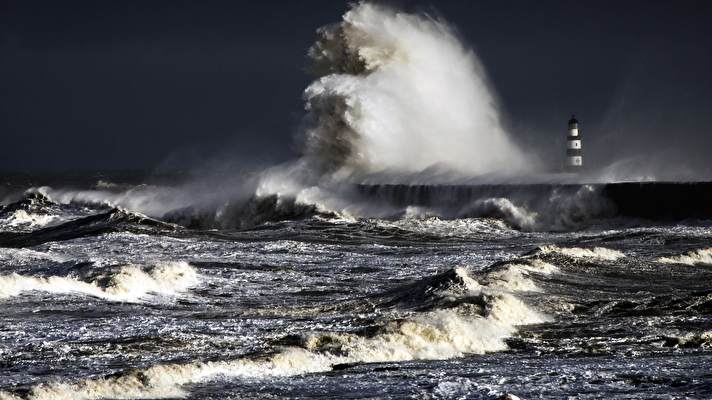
<point x="399" y="92"/>
<point x="397" y="96"/>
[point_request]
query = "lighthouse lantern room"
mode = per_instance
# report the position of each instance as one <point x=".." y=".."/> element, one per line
<point x="574" y="157"/>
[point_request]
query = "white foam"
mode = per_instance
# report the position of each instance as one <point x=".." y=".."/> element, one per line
<point x="166" y="381"/>
<point x="695" y="257"/>
<point x="435" y="335"/>
<point x="470" y="284"/>
<point x="433" y="225"/>
<point x="599" y="253"/>
<point x="514" y="277"/>
<point x="128" y="284"/>
<point x="466" y="286"/>
<point x="504" y="208"/>
<point x="23" y="220"/>
<point x="439" y="334"/>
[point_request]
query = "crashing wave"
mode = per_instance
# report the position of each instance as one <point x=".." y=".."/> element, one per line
<point x="33" y="201"/>
<point x="523" y="207"/>
<point x="139" y="199"/>
<point x="115" y="220"/>
<point x="398" y="92"/>
<point x="504" y="209"/>
<point x="443" y="290"/>
<point x="516" y="276"/>
<point x="596" y="253"/>
<point x="127" y="284"/>
<point x="695" y="257"/>
<point x="34" y="210"/>
<point x="434" y="335"/>
<point x="460" y="315"/>
<point x="244" y="214"/>
<point x="537" y="209"/>
<point x="21" y="219"/>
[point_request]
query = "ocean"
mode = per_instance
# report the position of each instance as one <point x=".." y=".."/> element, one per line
<point x="101" y="302"/>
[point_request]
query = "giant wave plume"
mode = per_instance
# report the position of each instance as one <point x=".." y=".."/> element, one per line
<point x="400" y="93"/>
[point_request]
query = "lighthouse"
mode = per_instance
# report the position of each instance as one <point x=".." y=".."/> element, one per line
<point x="574" y="157"/>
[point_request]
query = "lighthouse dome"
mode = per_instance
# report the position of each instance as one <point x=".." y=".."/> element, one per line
<point x="573" y="120"/>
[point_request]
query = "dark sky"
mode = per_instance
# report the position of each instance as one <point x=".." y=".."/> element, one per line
<point x="106" y="85"/>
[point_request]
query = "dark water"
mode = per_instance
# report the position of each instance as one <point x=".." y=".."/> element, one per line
<point x="105" y="303"/>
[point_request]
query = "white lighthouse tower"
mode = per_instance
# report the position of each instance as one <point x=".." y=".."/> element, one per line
<point x="574" y="157"/>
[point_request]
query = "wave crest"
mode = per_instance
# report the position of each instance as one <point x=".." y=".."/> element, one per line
<point x="127" y="284"/>
<point x="515" y="276"/>
<point x="692" y="258"/>
<point x="596" y="253"/>
<point x="21" y="219"/>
